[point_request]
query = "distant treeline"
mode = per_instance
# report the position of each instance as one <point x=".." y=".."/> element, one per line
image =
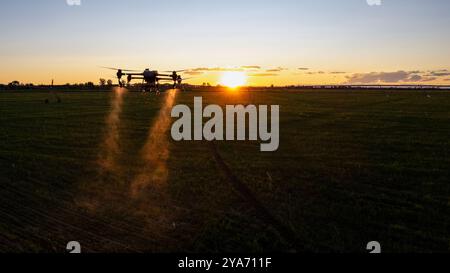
<point x="16" y="85"/>
<point x="107" y="85"/>
<point x="77" y="86"/>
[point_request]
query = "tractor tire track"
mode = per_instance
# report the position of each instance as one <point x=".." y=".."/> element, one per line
<point x="247" y="195"/>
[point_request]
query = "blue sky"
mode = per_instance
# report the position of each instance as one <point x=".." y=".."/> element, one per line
<point x="50" y="39"/>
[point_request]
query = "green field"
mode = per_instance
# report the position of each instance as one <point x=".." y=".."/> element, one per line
<point x="353" y="167"/>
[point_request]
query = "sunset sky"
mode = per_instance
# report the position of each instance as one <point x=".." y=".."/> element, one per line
<point x="273" y="42"/>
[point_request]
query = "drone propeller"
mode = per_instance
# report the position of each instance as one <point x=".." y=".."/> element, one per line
<point x="176" y="71"/>
<point x="117" y="69"/>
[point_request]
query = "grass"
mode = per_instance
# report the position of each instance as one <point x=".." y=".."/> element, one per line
<point x="353" y="167"/>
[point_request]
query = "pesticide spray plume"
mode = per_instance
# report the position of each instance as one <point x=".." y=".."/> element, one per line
<point x="155" y="153"/>
<point x="110" y="148"/>
<point x="107" y="168"/>
<point x="142" y="198"/>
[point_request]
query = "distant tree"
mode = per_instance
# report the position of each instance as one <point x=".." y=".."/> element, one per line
<point x="110" y="83"/>
<point x="90" y="85"/>
<point x="14" y="84"/>
<point x="102" y="82"/>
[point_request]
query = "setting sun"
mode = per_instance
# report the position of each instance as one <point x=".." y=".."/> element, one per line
<point x="233" y="79"/>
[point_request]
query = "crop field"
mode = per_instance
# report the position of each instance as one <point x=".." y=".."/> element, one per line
<point x="101" y="168"/>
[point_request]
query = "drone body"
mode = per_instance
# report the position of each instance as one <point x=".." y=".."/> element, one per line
<point x="150" y="78"/>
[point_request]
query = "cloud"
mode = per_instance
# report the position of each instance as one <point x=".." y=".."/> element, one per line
<point x="321" y="72"/>
<point x="278" y="69"/>
<point x="202" y="69"/>
<point x="416" y="78"/>
<point x="244" y="68"/>
<point x="374" y="77"/>
<point x="338" y="72"/>
<point x="224" y="69"/>
<point x="429" y="79"/>
<point x="215" y="69"/>
<point x="264" y="75"/>
<point x="386" y="77"/>
<point x="314" y="73"/>
<point x="439" y="73"/>
<point x="193" y="73"/>
<point x="303" y="68"/>
<point x="251" y="67"/>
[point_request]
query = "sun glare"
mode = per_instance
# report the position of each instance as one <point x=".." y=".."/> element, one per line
<point x="233" y="79"/>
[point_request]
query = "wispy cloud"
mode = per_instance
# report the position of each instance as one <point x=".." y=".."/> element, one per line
<point x="377" y="77"/>
<point x="429" y="79"/>
<point x="256" y="67"/>
<point x="416" y="78"/>
<point x="337" y="72"/>
<point x="244" y="68"/>
<point x="315" y="72"/>
<point x="439" y="73"/>
<point x="394" y="77"/>
<point x="263" y="75"/>
<point x="193" y="73"/>
<point x="278" y="69"/>
<point x="215" y="69"/>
